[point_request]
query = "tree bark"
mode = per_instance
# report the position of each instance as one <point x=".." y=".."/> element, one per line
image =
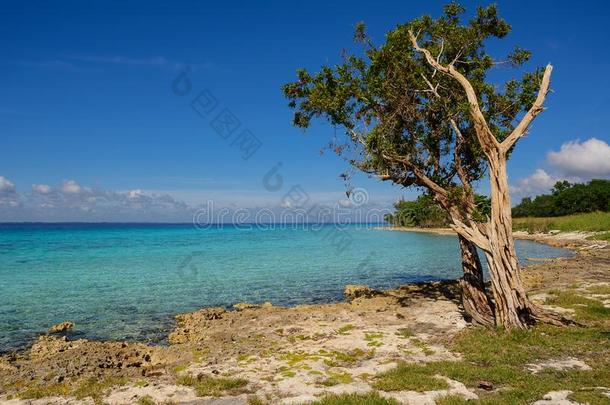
<point x="512" y="307"/>
<point x="475" y="301"/>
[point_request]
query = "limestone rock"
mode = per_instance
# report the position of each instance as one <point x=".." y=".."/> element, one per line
<point x="61" y="327"/>
<point x="246" y="305"/>
<point x="190" y="324"/>
<point x="353" y="291"/>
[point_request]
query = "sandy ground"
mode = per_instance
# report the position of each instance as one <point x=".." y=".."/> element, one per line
<point x="289" y="355"/>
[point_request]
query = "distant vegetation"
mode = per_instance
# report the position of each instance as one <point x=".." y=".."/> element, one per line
<point x="424" y="212"/>
<point x="592" y="222"/>
<point x="581" y="206"/>
<point x="567" y="199"/>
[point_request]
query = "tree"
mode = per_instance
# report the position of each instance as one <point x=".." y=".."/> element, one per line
<point x="418" y="111"/>
<point x="423" y="212"/>
<point x="566" y="199"/>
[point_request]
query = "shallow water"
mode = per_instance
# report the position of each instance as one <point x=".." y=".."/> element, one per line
<point x="118" y="281"/>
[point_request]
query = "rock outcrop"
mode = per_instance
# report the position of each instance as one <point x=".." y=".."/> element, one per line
<point x="246" y="305"/>
<point x="353" y="291"/>
<point x="61" y="327"/>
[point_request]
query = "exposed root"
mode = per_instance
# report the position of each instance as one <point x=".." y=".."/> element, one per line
<point x="546" y="316"/>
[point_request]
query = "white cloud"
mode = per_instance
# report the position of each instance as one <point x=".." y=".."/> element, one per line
<point x="6" y="186"/>
<point x="538" y="182"/>
<point x="8" y="193"/>
<point x="71" y="201"/>
<point x="584" y="160"/>
<point x="135" y="194"/>
<point x="41" y="188"/>
<point x="575" y="162"/>
<point x="71" y="187"/>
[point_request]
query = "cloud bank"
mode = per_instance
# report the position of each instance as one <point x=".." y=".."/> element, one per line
<point x="575" y="161"/>
<point x="71" y="201"/>
<point x="74" y="202"/>
<point x="583" y="160"/>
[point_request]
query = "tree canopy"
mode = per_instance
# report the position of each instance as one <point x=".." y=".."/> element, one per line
<point x="405" y="122"/>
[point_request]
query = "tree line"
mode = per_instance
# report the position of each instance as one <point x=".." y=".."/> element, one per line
<point x="425" y="212"/>
<point x="566" y="199"/>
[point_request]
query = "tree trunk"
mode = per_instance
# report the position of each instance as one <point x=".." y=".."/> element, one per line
<point x="475" y="301"/>
<point x="512" y="307"/>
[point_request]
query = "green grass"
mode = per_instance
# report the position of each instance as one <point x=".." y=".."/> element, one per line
<point x="90" y="388"/>
<point x="337" y="378"/>
<point x="345" y="329"/>
<point x="452" y="400"/>
<point x="405" y="333"/>
<point x="371" y="398"/>
<point x="208" y="386"/>
<point x="600" y="289"/>
<point x="593" y="222"/>
<point x="600" y="236"/>
<point x="95" y="388"/>
<point x="500" y="357"/>
<point x="586" y="309"/>
<point x="146" y="400"/>
<point x="409" y="377"/>
<point x="39" y="391"/>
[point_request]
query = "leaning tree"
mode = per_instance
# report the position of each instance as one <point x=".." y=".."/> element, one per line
<point x="420" y="111"/>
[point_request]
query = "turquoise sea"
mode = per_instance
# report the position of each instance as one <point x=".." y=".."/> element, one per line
<point x="126" y="281"/>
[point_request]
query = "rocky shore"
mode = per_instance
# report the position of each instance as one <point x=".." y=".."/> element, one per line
<point x="268" y="354"/>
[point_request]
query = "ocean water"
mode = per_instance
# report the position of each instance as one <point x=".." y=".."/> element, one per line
<point x="127" y="281"/>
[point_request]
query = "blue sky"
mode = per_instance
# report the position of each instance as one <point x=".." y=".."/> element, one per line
<point x="87" y="106"/>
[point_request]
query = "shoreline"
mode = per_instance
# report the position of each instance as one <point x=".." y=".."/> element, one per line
<point x="570" y="240"/>
<point x="567" y="243"/>
<point x="293" y="354"/>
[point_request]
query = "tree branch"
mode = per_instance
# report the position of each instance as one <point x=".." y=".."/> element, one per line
<point x="488" y="141"/>
<point x="423" y="179"/>
<point x="471" y="233"/>
<point x="535" y="109"/>
<point x="459" y="140"/>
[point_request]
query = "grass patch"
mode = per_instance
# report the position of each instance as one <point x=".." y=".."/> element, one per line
<point x="589" y="396"/>
<point x="372" y="338"/>
<point x="336" y="379"/>
<point x="452" y="400"/>
<point x="95" y="388"/>
<point x="179" y="368"/>
<point x="600" y="289"/>
<point x="405" y="333"/>
<point x="40" y="391"/>
<point x="146" y="400"/>
<point x="90" y="388"/>
<point x="346" y="328"/>
<point x="295" y="358"/>
<point x="254" y="400"/>
<point x="338" y="359"/>
<point x="368" y="336"/>
<point x="409" y="377"/>
<point x="372" y="398"/>
<point x="208" y="386"/>
<point x="500" y="357"/>
<point x="289" y="373"/>
<point x="600" y="236"/>
<point x="586" y="309"/>
<point x="592" y="222"/>
<point x="421" y="345"/>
